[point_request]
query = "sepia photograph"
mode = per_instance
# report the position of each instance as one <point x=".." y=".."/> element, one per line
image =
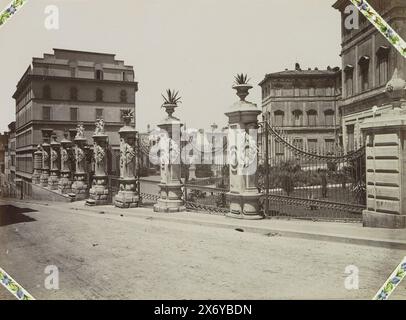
<point x="226" y="152"/>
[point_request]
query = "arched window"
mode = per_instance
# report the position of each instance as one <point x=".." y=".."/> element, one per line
<point x="74" y="94"/>
<point x="297" y="118"/>
<point x="99" y="95"/>
<point x="349" y="80"/>
<point x="382" y="65"/>
<point x="329" y="117"/>
<point x="364" y="73"/>
<point x="46" y="92"/>
<point x="312" y="118"/>
<point x="123" y="96"/>
<point x="278" y="118"/>
<point x="99" y="75"/>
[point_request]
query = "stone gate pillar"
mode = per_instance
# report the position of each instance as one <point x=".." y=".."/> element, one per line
<point x="386" y="162"/>
<point x="99" y="191"/>
<point x="79" y="185"/>
<point x="242" y="156"/>
<point x="128" y="196"/>
<point x="65" y="181"/>
<point x="170" y="194"/>
<point x="53" y="179"/>
<point x="36" y="177"/>
<point x="46" y="154"/>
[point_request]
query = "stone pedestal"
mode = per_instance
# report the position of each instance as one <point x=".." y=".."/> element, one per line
<point x="65" y="181"/>
<point x="99" y="192"/>
<point x="128" y="196"/>
<point x="170" y="194"/>
<point x="36" y="176"/>
<point x="242" y="157"/>
<point x="386" y="163"/>
<point x="79" y="186"/>
<point x="53" y="179"/>
<point x="46" y="150"/>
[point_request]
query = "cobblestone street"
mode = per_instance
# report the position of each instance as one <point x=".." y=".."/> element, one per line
<point x="103" y="256"/>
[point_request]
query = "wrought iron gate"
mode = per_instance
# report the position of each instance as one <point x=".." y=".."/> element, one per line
<point x="300" y="182"/>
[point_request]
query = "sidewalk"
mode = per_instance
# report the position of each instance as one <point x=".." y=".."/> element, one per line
<point x="351" y="233"/>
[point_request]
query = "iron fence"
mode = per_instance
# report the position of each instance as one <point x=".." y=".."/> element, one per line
<point x="206" y="199"/>
<point x="310" y="183"/>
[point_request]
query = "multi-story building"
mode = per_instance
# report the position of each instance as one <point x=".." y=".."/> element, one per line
<point x="304" y="105"/>
<point x="3" y="147"/>
<point x="62" y="89"/>
<point x="10" y="161"/>
<point x="368" y="62"/>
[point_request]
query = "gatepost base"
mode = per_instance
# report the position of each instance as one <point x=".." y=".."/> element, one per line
<point x="98" y="193"/>
<point x="244" y="206"/>
<point x="79" y="187"/>
<point x="169" y="206"/>
<point x="126" y="200"/>
<point x="372" y="219"/>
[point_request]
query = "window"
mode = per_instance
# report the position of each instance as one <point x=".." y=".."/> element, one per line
<point x="278" y="118"/>
<point x="382" y="65"/>
<point x="279" y="149"/>
<point x="74" y="94"/>
<point x="99" y="114"/>
<point x="99" y="75"/>
<point x="312" y="144"/>
<point x="297" y="118"/>
<point x="350" y="137"/>
<point x="329" y="117"/>
<point x="73" y="72"/>
<point x="123" y="96"/>
<point x="74" y="114"/>
<point x="312" y="118"/>
<point x="124" y="76"/>
<point x="46" y="92"/>
<point x="364" y="73"/>
<point x="99" y="95"/>
<point x="298" y="143"/>
<point x="349" y="80"/>
<point x="330" y="146"/>
<point x="46" y="113"/>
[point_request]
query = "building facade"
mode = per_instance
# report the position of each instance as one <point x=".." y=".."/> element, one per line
<point x="304" y="105"/>
<point x="65" y="88"/>
<point x="10" y="161"/>
<point x="3" y="149"/>
<point x="368" y="62"/>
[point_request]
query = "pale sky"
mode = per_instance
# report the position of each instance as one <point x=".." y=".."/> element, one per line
<point x="194" y="46"/>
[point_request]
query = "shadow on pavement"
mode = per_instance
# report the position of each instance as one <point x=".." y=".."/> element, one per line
<point x="12" y="215"/>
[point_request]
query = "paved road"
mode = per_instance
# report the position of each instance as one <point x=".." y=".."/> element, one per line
<point x="103" y="256"/>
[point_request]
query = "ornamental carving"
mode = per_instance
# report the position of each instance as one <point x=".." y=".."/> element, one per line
<point x="127" y="153"/>
<point x="80" y="132"/>
<point x="54" y="155"/>
<point x="99" y="154"/>
<point x="79" y="155"/>
<point x="45" y="155"/>
<point x="64" y="155"/>
<point x="99" y="127"/>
